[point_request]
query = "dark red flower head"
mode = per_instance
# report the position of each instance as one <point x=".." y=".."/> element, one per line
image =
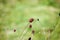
<point x="31" y="20"/>
<point x="33" y="31"/>
<point x="30" y="26"/>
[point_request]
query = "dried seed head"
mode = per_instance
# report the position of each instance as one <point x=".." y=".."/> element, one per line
<point x="29" y="38"/>
<point x="50" y="30"/>
<point x="14" y="30"/>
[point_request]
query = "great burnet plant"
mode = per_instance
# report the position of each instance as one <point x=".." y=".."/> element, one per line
<point x="16" y="20"/>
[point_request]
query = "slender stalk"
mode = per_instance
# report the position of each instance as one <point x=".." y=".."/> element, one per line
<point x="24" y="31"/>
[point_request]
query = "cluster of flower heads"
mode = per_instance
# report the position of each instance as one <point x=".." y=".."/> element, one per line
<point x="30" y="26"/>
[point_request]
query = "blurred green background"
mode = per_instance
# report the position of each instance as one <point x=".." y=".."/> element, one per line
<point x="15" y="15"/>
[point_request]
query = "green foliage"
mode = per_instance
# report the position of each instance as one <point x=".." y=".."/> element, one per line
<point x="15" y="14"/>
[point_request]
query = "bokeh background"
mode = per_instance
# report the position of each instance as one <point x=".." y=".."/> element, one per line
<point x="15" y="15"/>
